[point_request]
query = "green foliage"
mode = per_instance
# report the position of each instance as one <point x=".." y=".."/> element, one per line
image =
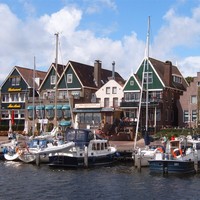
<point x="169" y="132"/>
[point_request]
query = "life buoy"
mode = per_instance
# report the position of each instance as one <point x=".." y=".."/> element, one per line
<point x="159" y="149"/>
<point x="177" y="153"/>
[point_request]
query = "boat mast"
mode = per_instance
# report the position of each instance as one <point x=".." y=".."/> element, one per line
<point x="147" y="75"/>
<point x="56" y="77"/>
<point x="142" y="88"/>
<point x="34" y="68"/>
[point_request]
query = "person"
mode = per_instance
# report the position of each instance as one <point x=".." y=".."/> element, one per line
<point x="164" y="141"/>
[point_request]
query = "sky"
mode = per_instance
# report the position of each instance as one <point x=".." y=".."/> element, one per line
<point x="105" y="30"/>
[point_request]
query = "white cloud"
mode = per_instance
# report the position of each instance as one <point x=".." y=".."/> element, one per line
<point x="22" y="40"/>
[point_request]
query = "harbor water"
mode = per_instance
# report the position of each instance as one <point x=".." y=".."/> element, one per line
<point x="20" y="181"/>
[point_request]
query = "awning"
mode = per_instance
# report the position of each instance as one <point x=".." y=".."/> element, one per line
<point x="65" y="123"/>
<point x="66" y="107"/>
<point x="40" y="107"/>
<point x="58" y="107"/>
<point x="49" y="107"/>
<point x="30" y="107"/>
<point x="107" y="109"/>
<point x="86" y="110"/>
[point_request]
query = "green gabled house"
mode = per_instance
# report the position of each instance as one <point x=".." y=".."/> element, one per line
<point x="161" y="84"/>
<point x="16" y="90"/>
<point x="76" y="85"/>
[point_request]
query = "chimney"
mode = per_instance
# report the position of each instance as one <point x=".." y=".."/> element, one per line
<point x="97" y="73"/>
<point x="113" y="70"/>
<point x="168" y="72"/>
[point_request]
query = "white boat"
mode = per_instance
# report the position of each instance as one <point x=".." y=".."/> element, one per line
<point x="182" y="156"/>
<point x="11" y="150"/>
<point x="88" y="150"/>
<point x="38" y="150"/>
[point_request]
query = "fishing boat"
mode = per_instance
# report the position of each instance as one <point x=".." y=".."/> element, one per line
<point x="88" y="150"/>
<point x="182" y="156"/>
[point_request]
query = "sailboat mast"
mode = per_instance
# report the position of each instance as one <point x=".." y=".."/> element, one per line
<point x="147" y="74"/>
<point x="142" y="88"/>
<point x="34" y="68"/>
<point x="56" y="77"/>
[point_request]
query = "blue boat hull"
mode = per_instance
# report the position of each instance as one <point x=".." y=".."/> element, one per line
<point x="67" y="161"/>
<point x="171" y="166"/>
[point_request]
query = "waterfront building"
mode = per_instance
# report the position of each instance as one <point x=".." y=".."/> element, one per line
<point x="76" y="85"/>
<point x="15" y="90"/>
<point x="189" y="105"/>
<point x="164" y="84"/>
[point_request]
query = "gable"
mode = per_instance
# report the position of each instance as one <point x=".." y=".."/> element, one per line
<point x="8" y="84"/>
<point x="131" y="84"/>
<point x="156" y="81"/>
<point x="47" y="82"/>
<point x="63" y="81"/>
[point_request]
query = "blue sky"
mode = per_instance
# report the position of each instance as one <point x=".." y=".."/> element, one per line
<point x="107" y="30"/>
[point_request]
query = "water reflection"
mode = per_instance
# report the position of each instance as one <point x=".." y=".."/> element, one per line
<point x="26" y="181"/>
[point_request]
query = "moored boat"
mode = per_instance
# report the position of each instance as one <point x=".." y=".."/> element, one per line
<point x="182" y="156"/>
<point x="89" y="150"/>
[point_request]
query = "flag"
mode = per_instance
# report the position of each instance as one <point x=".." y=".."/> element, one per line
<point x="13" y="117"/>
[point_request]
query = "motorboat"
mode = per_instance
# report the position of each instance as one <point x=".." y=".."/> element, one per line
<point x="182" y="156"/>
<point x="39" y="148"/>
<point x="88" y="150"/>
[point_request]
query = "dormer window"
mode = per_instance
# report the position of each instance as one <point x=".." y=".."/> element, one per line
<point x="177" y="79"/>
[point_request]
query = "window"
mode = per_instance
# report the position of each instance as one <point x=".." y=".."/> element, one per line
<point x="69" y="78"/>
<point x="177" y="79"/>
<point x="185" y="116"/>
<point x="22" y="97"/>
<point x="193" y="99"/>
<point x="15" y="81"/>
<point x="5" y="115"/>
<point x="14" y="97"/>
<point x="5" y="97"/>
<point x="21" y="114"/>
<point x="131" y="96"/>
<point x="67" y="114"/>
<point x="132" y="83"/>
<point x="107" y="90"/>
<point x="50" y="113"/>
<point x="194" y="115"/>
<point x="106" y="102"/>
<point x="158" y="115"/>
<point x="115" y="102"/>
<point x="114" y="90"/>
<point x="53" y="79"/>
<point x="148" y="75"/>
<point x="62" y="95"/>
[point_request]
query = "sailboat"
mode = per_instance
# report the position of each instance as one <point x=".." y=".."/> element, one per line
<point x="141" y="156"/>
